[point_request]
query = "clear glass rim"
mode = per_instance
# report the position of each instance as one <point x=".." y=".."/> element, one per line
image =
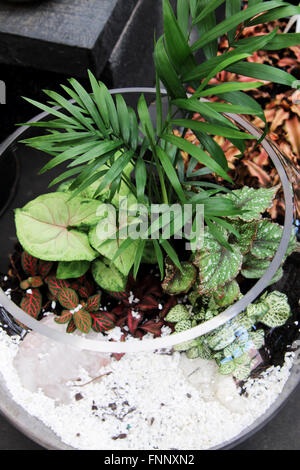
<point x="133" y="346"/>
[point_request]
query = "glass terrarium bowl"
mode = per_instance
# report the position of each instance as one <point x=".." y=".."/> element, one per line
<point x="31" y="186"/>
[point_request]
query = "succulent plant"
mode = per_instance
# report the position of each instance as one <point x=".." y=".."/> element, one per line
<point x="178" y="314"/>
<point x="278" y="310"/>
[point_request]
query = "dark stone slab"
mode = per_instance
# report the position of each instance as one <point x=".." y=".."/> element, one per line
<point x="65" y="36"/>
<point x="131" y="61"/>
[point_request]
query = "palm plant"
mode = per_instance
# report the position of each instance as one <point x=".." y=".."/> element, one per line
<point x="108" y="145"/>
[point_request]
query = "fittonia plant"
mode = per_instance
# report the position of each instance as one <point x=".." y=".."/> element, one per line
<point x="234" y="346"/>
<point x="110" y="152"/>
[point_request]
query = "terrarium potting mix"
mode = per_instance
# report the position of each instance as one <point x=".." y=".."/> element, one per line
<point x="151" y="300"/>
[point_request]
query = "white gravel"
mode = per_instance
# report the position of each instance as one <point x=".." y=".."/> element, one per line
<point x="148" y="401"/>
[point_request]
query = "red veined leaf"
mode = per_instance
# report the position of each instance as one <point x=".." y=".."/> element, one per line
<point x="32" y="303"/>
<point x="71" y="326"/>
<point x="29" y="264"/>
<point x="35" y="281"/>
<point x="110" y="316"/>
<point x="83" y="321"/>
<point x="152" y="327"/>
<point x="101" y="322"/>
<point x="68" y="298"/>
<point x="65" y="316"/>
<point x="55" y="285"/>
<point x="83" y="292"/>
<point x="93" y="303"/>
<point x="122" y="295"/>
<point x="133" y="321"/>
<point x="44" y="268"/>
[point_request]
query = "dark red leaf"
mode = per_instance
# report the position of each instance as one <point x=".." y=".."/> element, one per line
<point x="90" y="286"/>
<point x="148" y="303"/>
<point x="68" y="298"/>
<point x="29" y="264"/>
<point x="119" y="356"/>
<point x="83" y="321"/>
<point x="139" y="334"/>
<point x="121" y="322"/>
<point x="133" y="320"/>
<point x="93" y="303"/>
<point x="75" y="285"/>
<point x="55" y="285"/>
<point x="32" y="303"/>
<point x="44" y="268"/>
<point x="152" y="327"/>
<point x="65" y="317"/>
<point x="101" y="322"/>
<point x="119" y="310"/>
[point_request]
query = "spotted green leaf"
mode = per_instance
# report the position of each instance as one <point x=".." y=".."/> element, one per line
<point x="176" y="281"/>
<point x="177" y="314"/>
<point x="227" y="295"/>
<point x="278" y="310"/>
<point x="216" y="263"/>
<point x="253" y="201"/>
<point x="247" y="233"/>
<point x="254" y="268"/>
<point x="267" y="239"/>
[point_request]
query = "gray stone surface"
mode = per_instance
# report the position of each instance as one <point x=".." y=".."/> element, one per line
<point x="131" y="62"/>
<point x="65" y="36"/>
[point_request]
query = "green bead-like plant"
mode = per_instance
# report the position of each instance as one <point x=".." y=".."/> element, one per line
<point x="231" y="343"/>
